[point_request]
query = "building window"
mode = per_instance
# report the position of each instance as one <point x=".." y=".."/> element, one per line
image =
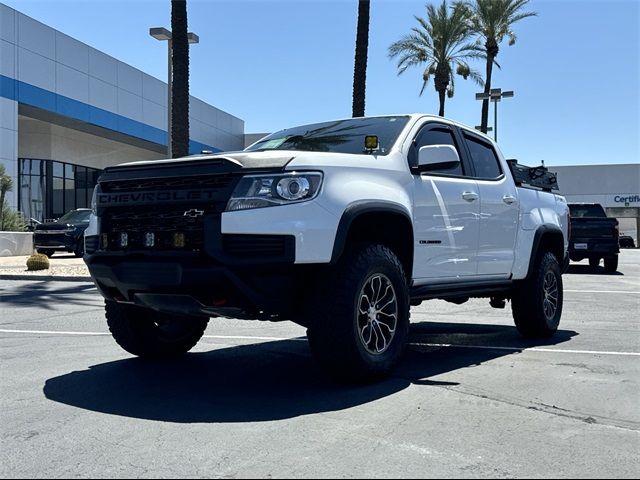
<point x="48" y="189"/>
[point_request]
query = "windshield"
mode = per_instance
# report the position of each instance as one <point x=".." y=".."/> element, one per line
<point x="341" y="136"/>
<point x="586" y="211"/>
<point x="75" y="216"/>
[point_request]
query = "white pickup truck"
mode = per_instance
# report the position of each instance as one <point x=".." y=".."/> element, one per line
<point x="339" y="226"/>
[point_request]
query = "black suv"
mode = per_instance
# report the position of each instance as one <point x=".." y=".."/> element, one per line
<point x="65" y="234"/>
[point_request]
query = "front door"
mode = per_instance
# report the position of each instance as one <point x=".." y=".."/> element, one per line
<point x="446" y="213"/>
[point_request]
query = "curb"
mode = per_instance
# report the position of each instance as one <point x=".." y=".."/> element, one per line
<point x="46" y="278"/>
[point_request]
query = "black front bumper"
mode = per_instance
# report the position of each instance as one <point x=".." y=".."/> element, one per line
<point x="194" y="284"/>
<point x="54" y="241"/>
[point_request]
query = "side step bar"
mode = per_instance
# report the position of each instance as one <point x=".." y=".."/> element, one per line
<point x="446" y="291"/>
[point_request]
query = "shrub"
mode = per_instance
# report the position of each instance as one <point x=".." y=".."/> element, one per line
<point x="37" y="261"/>
<point x="12" y="221"/>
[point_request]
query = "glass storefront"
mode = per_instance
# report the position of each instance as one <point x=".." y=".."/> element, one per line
<point x="48" y="189"/>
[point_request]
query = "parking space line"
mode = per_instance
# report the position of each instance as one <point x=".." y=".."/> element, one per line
<point x="54" y="332"/>
<point x="603" y="291"/>
<point x="299" y="339"/>
<point x="525" y="349"/>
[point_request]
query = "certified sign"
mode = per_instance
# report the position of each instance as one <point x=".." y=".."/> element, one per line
<point x="627" y="200"/>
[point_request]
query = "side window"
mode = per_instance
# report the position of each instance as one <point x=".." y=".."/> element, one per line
<point x="434" y="136"/>
<point x="484" y="159"/>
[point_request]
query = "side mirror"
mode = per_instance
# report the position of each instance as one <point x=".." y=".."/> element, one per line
<point x="437" y="157"/>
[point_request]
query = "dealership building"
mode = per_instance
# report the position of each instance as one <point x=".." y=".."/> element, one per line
<point x="616" y="187"/>
<point x="67" y="111"/>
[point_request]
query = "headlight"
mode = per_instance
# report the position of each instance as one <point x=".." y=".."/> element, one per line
<point x="258" y="191"/>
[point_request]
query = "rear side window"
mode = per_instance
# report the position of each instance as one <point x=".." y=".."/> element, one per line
<point x="586" y="211"/>
<point x="435" y="136"/>
<point x="484" y="159"/>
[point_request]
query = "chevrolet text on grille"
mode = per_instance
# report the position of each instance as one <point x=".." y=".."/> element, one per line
<point x="110" y="199"/>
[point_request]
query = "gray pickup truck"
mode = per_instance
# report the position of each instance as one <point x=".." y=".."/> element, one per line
<point x="593" y="236"/>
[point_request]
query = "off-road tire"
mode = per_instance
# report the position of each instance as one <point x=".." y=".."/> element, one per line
<point x="336" y="337"/>
<point x="594" y="262"/>
<point x="528" y="302"/>
<point x="146" y="333"/>
<point x="611" y="264"/>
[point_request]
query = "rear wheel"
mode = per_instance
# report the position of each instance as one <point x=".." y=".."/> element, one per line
<point x="146" y="333"/>
<point x="594" y="262"/>
<point x="359" y="318"/>
<point x="537" y="301"/>
<point x="611" y="264"/>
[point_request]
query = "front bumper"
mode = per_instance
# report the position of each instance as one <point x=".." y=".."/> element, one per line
<point x="53" y="241"/>
<point x="192" y="284"/>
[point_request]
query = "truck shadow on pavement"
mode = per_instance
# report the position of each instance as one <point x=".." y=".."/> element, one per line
<point x="271" y="381"/>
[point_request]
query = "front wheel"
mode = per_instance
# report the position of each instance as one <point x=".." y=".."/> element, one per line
<point x="537" y="301"/>
<point x="359" y="318"/>
<point x="146" y="333"/>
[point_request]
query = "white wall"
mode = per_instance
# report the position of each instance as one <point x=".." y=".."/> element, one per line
<point x="39" y="55"/>
<point x="9" y="144"/>
<point x="14" y="243"/>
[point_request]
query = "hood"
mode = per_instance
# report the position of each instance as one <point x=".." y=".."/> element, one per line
<point x="241" y="159"/>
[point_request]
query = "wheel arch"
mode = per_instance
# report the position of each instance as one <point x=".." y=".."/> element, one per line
<point x="548" y="238"/>
<point x="384" y="222"/>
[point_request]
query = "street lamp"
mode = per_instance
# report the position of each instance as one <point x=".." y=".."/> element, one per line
<point x="495" y="95"/>
<point x="161" y="33"/>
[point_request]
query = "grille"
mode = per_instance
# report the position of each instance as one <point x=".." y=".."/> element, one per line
<point x="220" y="182"/>
<point x="164" y="224"/>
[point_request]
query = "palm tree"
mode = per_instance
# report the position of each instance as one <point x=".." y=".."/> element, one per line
<point x="360" y="67"/>
<point x="492" y="20"/>
<point x="6" y="185"/>
<point x="439" y="43"/>
<point x="180" y="86"/>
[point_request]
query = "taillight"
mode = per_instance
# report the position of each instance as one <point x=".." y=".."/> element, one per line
<point x="616" y="231"/>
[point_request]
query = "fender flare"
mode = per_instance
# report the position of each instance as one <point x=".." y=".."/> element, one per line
<point x="355" y="210"/>
<point x="541" y="232"/>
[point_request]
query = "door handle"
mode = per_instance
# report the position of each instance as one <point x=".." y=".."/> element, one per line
<point x="509" y="199"/>
<point x="470" y="196"/>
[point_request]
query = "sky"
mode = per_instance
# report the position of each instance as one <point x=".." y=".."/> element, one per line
<point x="575" y="68"/>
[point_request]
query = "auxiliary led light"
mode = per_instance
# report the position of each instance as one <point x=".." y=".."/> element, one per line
<point x="123" y="241"/>
<point x="149" y="239"/>
<point x="178" y="240"/>
<point x="104" y="240"/>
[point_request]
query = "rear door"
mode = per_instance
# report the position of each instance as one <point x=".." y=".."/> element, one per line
<point x="446" y="211"/>
<point x="499" y="208"/>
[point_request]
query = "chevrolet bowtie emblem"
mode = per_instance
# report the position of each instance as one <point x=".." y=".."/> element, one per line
<point x="193" y="213"/>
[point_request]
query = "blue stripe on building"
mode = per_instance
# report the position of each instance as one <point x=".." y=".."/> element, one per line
<point x="38" y="97"/>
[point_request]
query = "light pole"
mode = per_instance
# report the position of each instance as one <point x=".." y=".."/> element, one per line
<point x="161" y="33"/>
<point x="495" y="95"/>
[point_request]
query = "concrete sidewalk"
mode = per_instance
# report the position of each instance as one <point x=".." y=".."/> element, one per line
<point x="64" y="267"/>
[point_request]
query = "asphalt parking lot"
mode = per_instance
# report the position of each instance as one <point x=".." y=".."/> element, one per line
<point x="470" y="399"/>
